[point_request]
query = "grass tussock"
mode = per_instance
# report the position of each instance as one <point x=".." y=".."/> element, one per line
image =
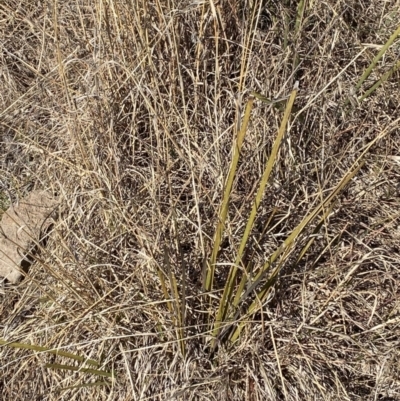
<point x="205" y="249"/>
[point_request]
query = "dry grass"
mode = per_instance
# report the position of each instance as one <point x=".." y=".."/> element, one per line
<point x="128" y="110"/>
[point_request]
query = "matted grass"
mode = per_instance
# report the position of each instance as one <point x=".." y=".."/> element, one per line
<point x="134" y="113"/>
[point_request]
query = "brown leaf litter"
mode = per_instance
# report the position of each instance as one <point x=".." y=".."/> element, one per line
<point x="21" y="228"/>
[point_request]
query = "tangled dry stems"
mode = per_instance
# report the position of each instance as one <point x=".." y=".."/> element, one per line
<point x="127" y="110"/>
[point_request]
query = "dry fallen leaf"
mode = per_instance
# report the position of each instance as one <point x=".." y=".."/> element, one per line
<point x="21" y="227"/>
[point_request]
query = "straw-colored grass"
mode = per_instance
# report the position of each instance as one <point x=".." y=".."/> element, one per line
<point x="222" y="236"/>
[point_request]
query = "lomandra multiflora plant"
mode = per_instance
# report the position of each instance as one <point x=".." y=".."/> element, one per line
<point x="252" y="288"/>
<point x="234" y="288"/>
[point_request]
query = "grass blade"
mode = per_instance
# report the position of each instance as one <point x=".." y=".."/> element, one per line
<point x="284" y="248"/>
<point x="228" y="289"/>
<point x="299" y="16"/>
<point x="264" y="180"/>
<point x="208" y="285"/>
<point x="378" y="83"/>
<point x="78" y="369"/>
<point x="374" y="62"/>
<point x="38" y="348"/>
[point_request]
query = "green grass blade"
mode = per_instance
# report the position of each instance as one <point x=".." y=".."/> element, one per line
<point x="228" y="289"/>
<point x="38" y="348"/>
<point x="78" y="369"/>
<point x="262" y="98"/>
<point x="299" y="16"/>
<point x="263" y="183"/>
<point x="284" y="248"/>
<point x="278" y="104"/>
<point x="208" y="285"/>
<point x="297" y="231"/>
<point x="374" y="62"/>
<point x="378" y="83"/>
